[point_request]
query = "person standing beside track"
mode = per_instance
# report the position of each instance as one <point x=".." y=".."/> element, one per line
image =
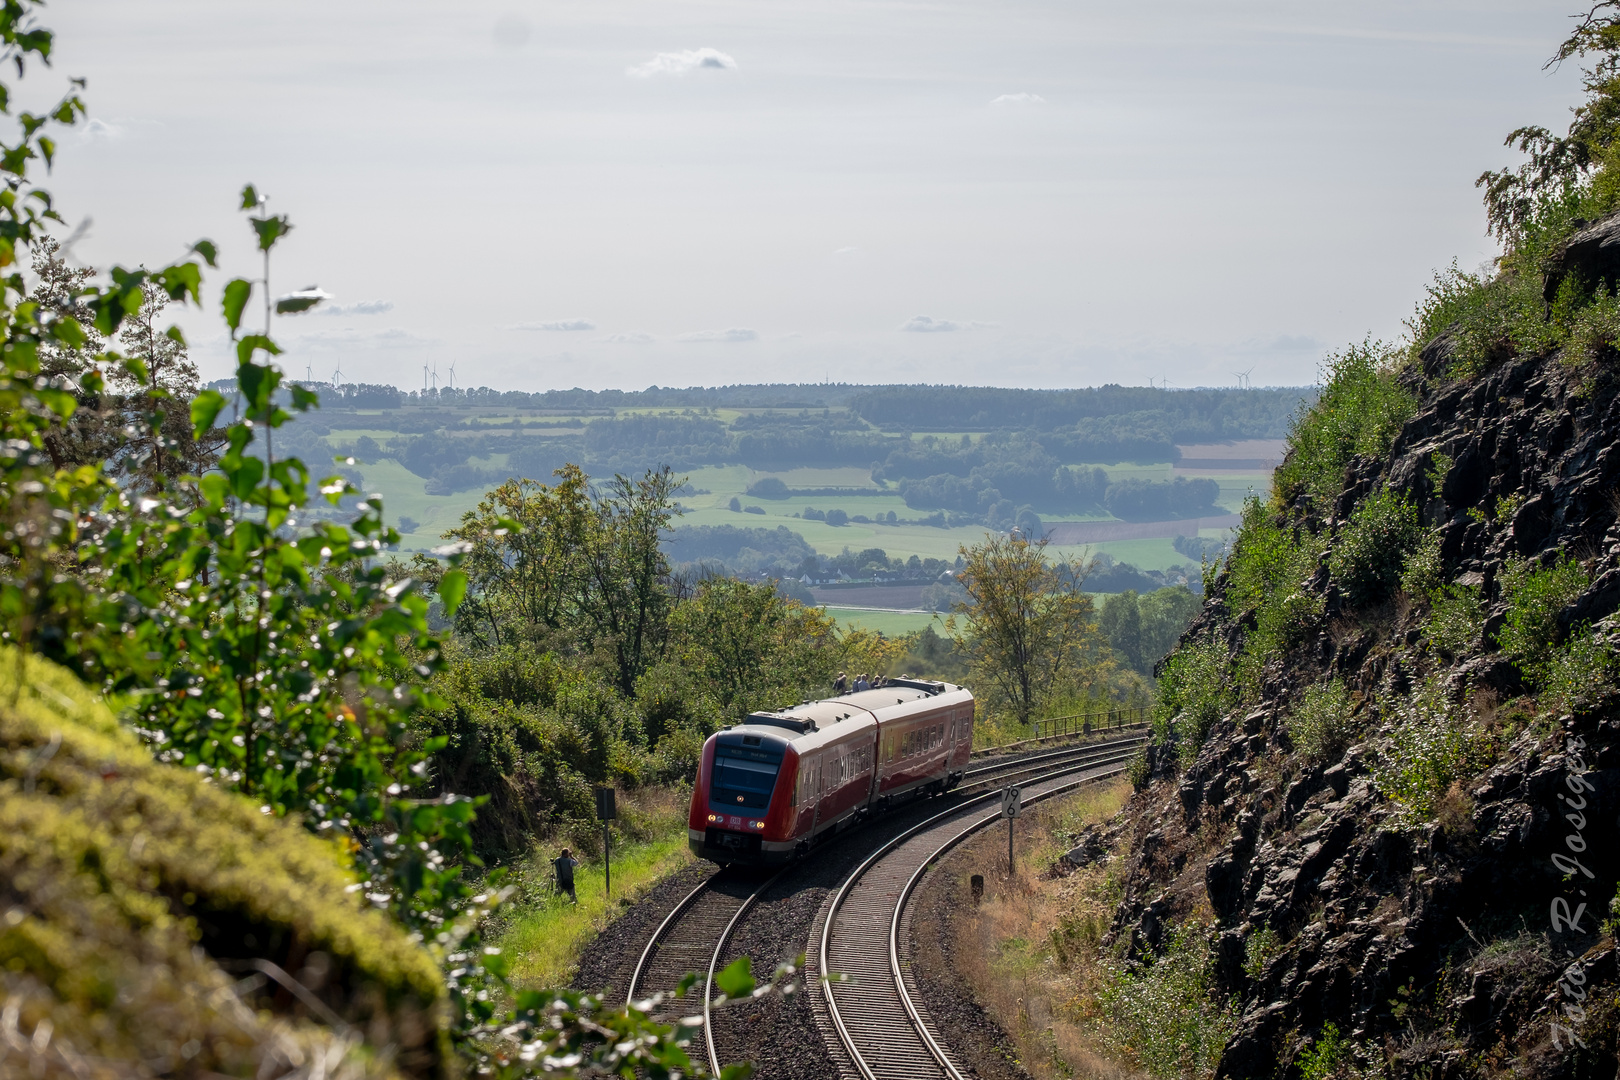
<point x="565" y="864"/>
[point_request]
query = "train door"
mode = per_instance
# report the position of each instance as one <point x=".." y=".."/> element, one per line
<point x="816" y="792"/>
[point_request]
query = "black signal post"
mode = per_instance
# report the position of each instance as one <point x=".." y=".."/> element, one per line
<point x="1011" y="803"/>
<point x="606" y="811"/>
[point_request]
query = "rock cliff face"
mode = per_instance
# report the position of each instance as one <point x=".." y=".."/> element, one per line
<point x="1468" y="940"/>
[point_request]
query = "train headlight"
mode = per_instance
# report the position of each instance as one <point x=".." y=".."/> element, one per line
<point x="713" y="818"/>
<point x="758" y="824"/>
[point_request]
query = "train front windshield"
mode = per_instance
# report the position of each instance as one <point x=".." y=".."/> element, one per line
<point x="743" y="779"/>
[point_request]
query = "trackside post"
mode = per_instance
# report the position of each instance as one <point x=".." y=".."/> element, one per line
<point x="1011" y="803"/>
<point x="606" y="811"/>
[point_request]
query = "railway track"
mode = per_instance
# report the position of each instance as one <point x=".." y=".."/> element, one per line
<point x="865" y="936"/>
<point x="694" y="935"/>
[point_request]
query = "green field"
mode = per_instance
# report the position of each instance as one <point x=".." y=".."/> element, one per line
<point x="404" y="496"/>
<point x="888" y="623"/>
<point x="404" y="493"/>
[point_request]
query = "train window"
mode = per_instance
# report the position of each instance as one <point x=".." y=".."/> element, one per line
<point x="741" y="780"/>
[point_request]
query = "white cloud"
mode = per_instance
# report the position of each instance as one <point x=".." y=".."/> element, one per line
<point x="922" y="324"/>
<point x="100" y="129"/>
<point x="1019" y="99"/>
<point x="559" y="324"/>
<point x="735" y="333"/>
<point x="681" y="63"/>
<point x="359" y="307"/>
<point x="630" y="337"/>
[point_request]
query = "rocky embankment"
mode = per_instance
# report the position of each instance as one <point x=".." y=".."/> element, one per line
<point x="1468" y="941"/>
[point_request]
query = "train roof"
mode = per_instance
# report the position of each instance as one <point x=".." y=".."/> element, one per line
<point x="812" y="716"/>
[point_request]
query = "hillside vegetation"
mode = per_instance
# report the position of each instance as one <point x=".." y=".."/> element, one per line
<point x="1369" y="836"/>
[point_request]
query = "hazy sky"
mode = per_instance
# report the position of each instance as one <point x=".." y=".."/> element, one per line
<point x="628" y="192"/>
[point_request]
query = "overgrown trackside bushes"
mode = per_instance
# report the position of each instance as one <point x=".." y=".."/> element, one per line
<point x="132" y="888"/>
<point x="1164" y="1013"/>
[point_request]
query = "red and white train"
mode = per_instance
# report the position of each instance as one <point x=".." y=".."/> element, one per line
<point x="778" y="782"/>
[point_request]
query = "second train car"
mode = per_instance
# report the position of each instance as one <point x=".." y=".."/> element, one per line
<point x="770" y="787"/>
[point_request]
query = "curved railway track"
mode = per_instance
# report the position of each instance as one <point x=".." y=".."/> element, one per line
<point x="694" y="935"/>
<point x="865" y="936"/>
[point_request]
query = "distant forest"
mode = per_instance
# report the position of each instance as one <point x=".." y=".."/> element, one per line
<point x="961" y="454"/>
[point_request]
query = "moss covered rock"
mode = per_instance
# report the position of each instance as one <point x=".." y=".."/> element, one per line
<point x="151" y="924"/>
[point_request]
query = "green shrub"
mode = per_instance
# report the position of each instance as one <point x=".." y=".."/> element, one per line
<point x="1489" y="317"/>
<point x="1456" y="618"/>
<point x="1259" y="950"/>
<point x="1535" y="596"/>
<point x="1577" y="673"/>
<point x="1434" y="745"/>
<point x="1327" y="1054"/>
<point x="1424" y="574"/>
<point x="1164" y="1015"/>
<point x="1138" y="771"/>
<point x="1360" y="411"/>
<point x="1371" y="550"/>
<point x="1266" y="571"/>
<point x="1593" y="329"/>
<point x="676" y="758"/>
<point x="1194" y="692"/>
<point x="1321" y="725"/>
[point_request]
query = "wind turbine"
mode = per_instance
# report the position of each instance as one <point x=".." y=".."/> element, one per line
<point x="435" y="376"/>
<point x="452" y="375"/>
<point x="337" y="377"/>
<point x="424" y="376"/>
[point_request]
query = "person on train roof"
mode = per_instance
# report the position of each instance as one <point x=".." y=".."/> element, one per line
<point x="840" y="685"/>
<point x="861" y="683"/>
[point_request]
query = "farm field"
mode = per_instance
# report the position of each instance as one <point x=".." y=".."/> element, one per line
<point x="404" y="496"/>
<point x="888" y="623"/>
<point x="499" y="436"/>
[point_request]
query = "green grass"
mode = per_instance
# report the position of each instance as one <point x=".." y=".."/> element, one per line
<point x="1155" y="554"/>
<point x="888" y="623"/>
<point x="545" y="938"/>
<point x="852" y="476"/>
<point x="404" y="495"/>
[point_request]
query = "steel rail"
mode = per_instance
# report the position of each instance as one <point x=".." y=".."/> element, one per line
<point x="1089" y="755"/>
<point x="663" y="928"/>
<point x="839" y="1025"/>
<point x="714" y="961"/>
<point x="1004" y="766"/>
<point x="661" y="934"/>
<point x="1067" y="751"/>
<point x="905" y="897"/>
